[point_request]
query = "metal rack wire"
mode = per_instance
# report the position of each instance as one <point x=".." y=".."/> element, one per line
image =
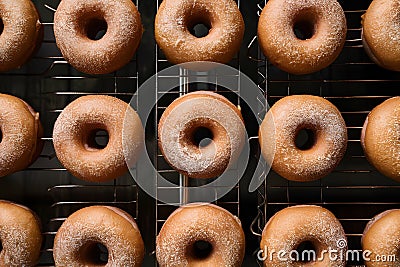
<point x="56" y="84"/>
<point x="355" y="191"/>
<point x="184" y="78"/>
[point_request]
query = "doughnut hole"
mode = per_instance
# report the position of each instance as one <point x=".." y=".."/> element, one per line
<point x="305" y="139"/>
<point x="200" y="30"/>
<point x="96" y="29"/>
<point x="1" y="26"/>
<point x="96" y="139"/>
<point x="202" y="137"/>
<point x="199" y="25"/>
<point x="304" y="25"/>
<point x="304" y="252"/>
<point x="93" y="254"/>
<point x="198" y="134"/>
<point x="200" y="249"/>
<point x="93" y="26"/>
<point x="1" y="135"/>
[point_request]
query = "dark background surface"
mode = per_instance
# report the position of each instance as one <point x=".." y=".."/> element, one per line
<point x="355" y="191"/>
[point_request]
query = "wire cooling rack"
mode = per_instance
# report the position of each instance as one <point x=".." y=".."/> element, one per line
<point x="49" y="83"/>
<point x="355" y="192"/>
<point x="183" y="77"/>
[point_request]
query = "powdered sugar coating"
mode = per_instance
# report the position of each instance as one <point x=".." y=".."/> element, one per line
<point x="124" y="215"/>
<point x="204" y="222"/>
<point x="375" y="219"/>
<point x="381" y="37"/>
<point x="21" y="33"/>
<point x="382" y="238"/>
<point x="282" y="124"/>
<point x="20" y="235"/>
<point x="288" y="228"/>
<point x="113" y="50"/>
<point x="98" y="224"/>
<point x="175" y="17"/>
<point x="90" y="113"/>
<point x="281" y="46"/>
<point x="21" y="132"/>
<point x="201" y="109"/>
<point x="381" y="137"/>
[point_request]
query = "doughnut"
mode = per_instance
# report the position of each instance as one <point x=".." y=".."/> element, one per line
<point x="201" y="234"/>
<point x="380" y="35"/>
<point x="20" y="33"/>
<point x="201" y="134"/>
<point x="295" y="230"/>
<point x="74" y="137"/>
<point x="325" y="146"/>
<point x="78" y="239"/>
<point x="302" y="36"/>
<point x="77" y="25"/>
<point x="381" y="238"/>
<point x="20" y="234"/>
<point x="175" y="20"/>
<point x="20" y="135"/>
<point x="380" y="138"/>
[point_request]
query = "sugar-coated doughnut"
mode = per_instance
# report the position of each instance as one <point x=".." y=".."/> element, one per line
<point x="380" y="138"/>
<point x="380" y="35"/>
<point x="381" y="238"/>
<point x="327" y="137"/>
<point x="20" y="135"/>
<point x="21" y="32"/>
<point x="188" y="116"/>
<point x="201" y="234"/>
<point x="76" y="241"/>
<point x="302" y="36"/>
<point x="74" y="137"/>
<point x="20" y="234"/>
<point x="291" y="228"/>
<point x="175" y="18"/>
<point x="76" y="24"/>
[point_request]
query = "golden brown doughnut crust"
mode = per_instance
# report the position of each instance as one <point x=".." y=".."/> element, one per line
<point x="201" y="222"/>
<point x="73" y="137"/>
<point x="175" y="17"/>
<point x="21" y="34"/>
<point x="283" y="122"/>
<point x="380" y="34"/>
<point x="21" y="132"/>
<point x="20" y="235"/>
<point x="288" y="228"/>
<point x="186" y="114"/>
<point x="281" y="46"/>
<point x="109" y="226"/>
<point x="380" y="138"/>
<point x="115" y="49"/>
<point x="381" y="237"/>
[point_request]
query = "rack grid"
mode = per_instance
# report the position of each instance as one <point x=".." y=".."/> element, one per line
<point x="55" y="85"/>
<point x="185" y="79"/>
<point x="355" y="192"/>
